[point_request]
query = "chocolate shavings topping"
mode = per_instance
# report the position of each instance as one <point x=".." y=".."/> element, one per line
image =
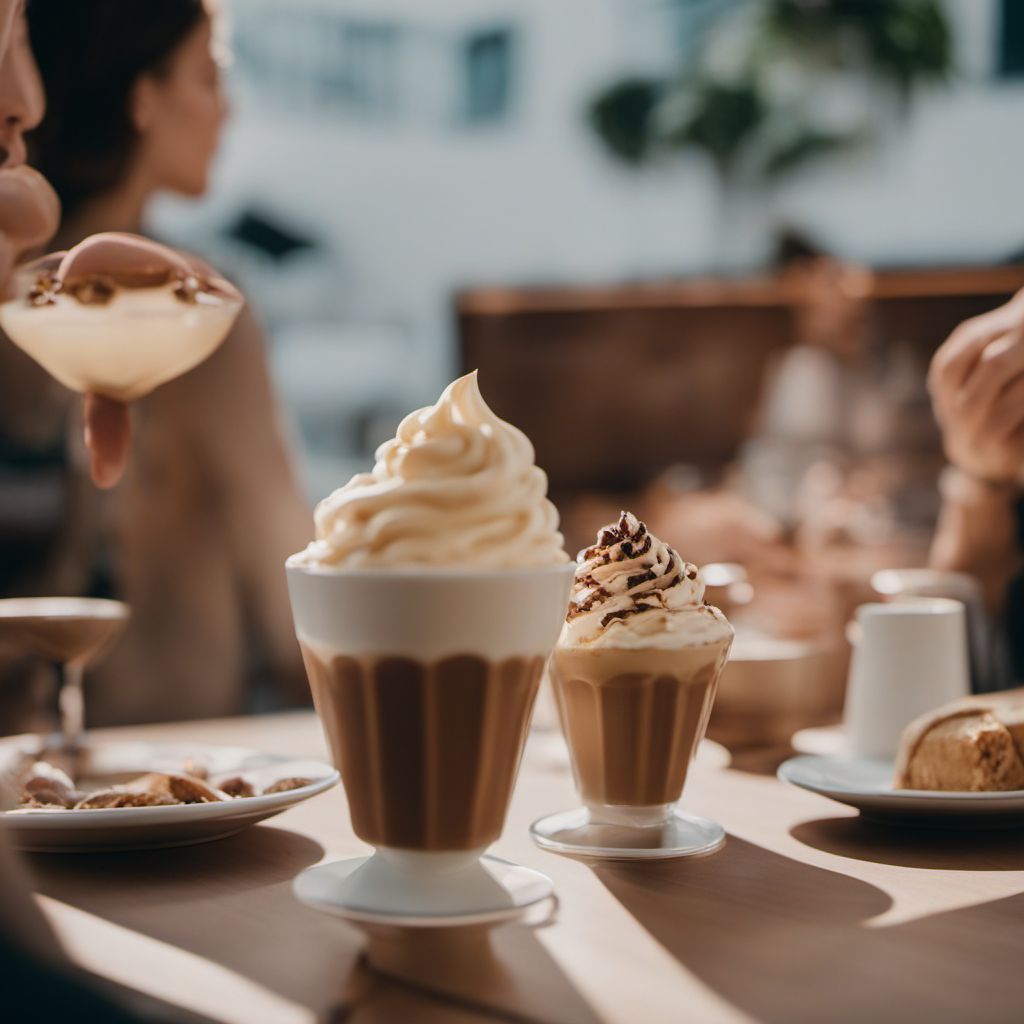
<point x="95" y="290"/>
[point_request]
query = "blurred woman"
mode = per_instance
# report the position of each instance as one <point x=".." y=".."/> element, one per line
<point x="195" y="535"/>
<point x="37" y="981"/>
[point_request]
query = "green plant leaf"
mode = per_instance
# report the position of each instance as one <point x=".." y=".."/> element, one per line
<point x="622" y="115"/>
<point x="899" y="44"/>
<point x="804" y="147"/>
<point x="722" y="119"/>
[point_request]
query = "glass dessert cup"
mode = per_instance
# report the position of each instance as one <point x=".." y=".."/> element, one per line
<point x="633" y="719"/>
<point x="424" y="681"/>
<point x="123" y="350"/>
<point x="71" y="633"/>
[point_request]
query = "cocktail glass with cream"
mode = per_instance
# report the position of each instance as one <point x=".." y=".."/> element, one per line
<point x="634" y="674"/>
<point x="426" y="609"/>
<point x="71" y="633"/>
<point x="118" y="315"/>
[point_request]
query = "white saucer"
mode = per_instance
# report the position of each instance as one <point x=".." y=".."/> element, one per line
<point x="426" y="890"/>
<point x="867" y="785"/>
<point x="574" y="833"/>
<point x="826" y="740"/>
<point x="47" y="830"/>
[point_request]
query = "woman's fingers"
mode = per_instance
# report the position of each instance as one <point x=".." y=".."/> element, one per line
<point x="958" y="357"/>
<point x="29" y="208"/>
<point x="999" y="364"/>
<point x="6" y="267"/>
<point x="108" y="436"/>
<point x="1006" y="415"/>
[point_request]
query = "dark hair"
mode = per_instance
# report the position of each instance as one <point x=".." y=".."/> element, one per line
<point x="90" y="54"/>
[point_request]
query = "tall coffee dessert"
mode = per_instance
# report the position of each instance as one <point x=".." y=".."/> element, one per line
<point x="426" y="609"/>
<point x="634" y="676"/>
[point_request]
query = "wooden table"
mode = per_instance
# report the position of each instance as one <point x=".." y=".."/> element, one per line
<point x="805" y="915"/>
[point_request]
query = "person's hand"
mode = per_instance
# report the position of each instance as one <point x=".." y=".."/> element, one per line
<point x="29" y="213"/>
<point x="108" y="436"/>
<point x="6" y="264"/>
<point x="108" y="421"/>
<point x="976" y="381"/>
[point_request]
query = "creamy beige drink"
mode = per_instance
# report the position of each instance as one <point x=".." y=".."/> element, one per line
<point x="119" y="315"/>
<point x="426" y="609"/>
<point x="429" y="749"/>
<point x="635" y="671"/>
<point x="633" y="719"/>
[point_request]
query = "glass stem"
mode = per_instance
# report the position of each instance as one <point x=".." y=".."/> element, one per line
<point x="71" y="705"/>
<point x="652" y="816"/>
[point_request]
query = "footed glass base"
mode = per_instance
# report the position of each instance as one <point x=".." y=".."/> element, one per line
<point x="586" y="833"/>
<point x="426" y="890"/>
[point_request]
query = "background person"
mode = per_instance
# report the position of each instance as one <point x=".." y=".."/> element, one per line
<point x="195" y="535"/>
<point x="977" y="385"/>
<point x="37" y="981"/>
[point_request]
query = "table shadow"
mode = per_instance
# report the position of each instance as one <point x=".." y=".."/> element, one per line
<point x="789" y="943"/>
<point x="760" y="760"/>
<point x="967" y="962"/>
<point x="777" y="960"/>
<point x="240" y="888"/>
<point x="502" y="973"/>
<point x="762" y="930"/>
<point x="938" y="848"/>
<point x="254" y="858"/>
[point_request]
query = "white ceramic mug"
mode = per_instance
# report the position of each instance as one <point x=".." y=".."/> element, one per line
<point x="909" y="657"/>
<point x="899" y="584"/>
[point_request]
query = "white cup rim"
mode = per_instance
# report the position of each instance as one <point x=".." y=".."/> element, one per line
<point x="420" y="572"/>
<point x="910" y="605"/>
<point x="892" y="582"/>
<point x="65" y="606"/>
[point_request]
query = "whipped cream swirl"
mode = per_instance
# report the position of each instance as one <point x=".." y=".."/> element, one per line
<point x="633" y="590"/>
<point x="456" y="487"/>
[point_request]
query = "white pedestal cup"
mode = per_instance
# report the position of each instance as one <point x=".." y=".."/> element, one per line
<point x="426" y="615"/>
<point x="909" y="657"/>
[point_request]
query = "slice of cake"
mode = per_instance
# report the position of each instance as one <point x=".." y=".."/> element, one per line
<point x="972" y="745"/>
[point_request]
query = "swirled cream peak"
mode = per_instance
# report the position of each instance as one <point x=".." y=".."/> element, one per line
<point x="633" y="590"/>
<point x="456" y="487"/>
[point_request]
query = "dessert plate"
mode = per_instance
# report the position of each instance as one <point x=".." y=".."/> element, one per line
<point x="58" y="830"/>
<point x="867" y="785"/>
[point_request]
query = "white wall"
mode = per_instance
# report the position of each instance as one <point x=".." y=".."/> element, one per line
<point x="415" y="209"/>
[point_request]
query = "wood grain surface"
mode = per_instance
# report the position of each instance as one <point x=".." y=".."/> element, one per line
<point x="805" y="915"/>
